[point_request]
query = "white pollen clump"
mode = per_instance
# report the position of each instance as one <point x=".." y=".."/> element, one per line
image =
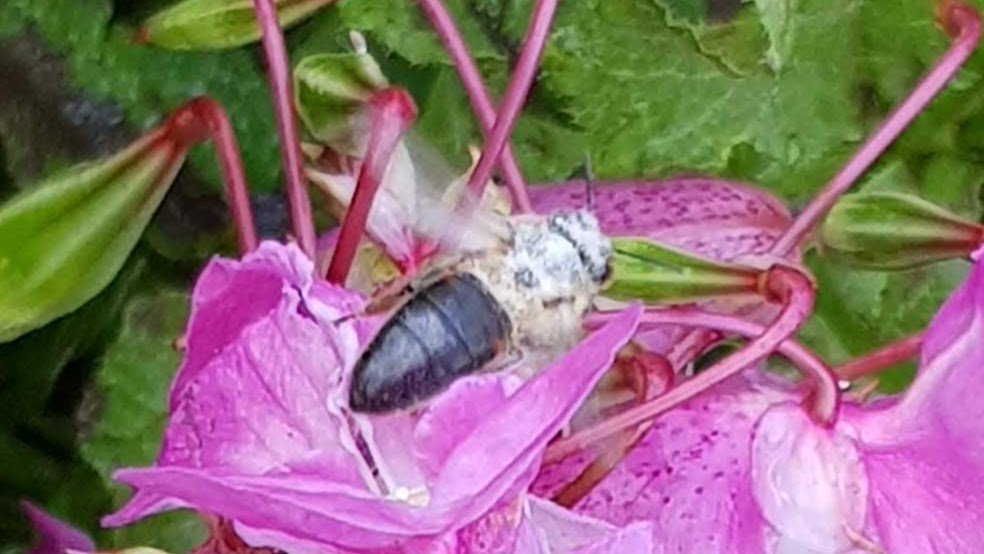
<point x="415" y="497"/>
<point x="552" y="263"/>
<point x="582" y="228"/>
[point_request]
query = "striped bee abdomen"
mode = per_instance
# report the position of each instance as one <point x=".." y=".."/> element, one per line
<point x="450" y="329"/>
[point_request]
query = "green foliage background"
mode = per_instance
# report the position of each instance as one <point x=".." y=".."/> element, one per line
<point x="774" y="92"/>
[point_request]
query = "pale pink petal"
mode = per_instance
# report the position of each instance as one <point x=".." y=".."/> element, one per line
<point x="809" y="482"/>
<point x="393" y="217"/>
<point x="945" y="396"/>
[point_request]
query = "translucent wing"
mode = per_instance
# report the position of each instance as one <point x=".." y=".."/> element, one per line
<point x="413" y="211"/>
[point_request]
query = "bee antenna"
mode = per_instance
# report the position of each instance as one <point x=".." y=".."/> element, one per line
<point x="588" y="183"/>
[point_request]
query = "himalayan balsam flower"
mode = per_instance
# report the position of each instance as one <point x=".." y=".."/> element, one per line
<point x="742" y="468"/>
<point x="257" y="432"/>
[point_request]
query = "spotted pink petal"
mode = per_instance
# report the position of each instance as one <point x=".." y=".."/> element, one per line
<point x="689" y="475"/>
<point x="718" y="219"/>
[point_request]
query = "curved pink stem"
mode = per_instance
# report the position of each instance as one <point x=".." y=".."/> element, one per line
<point x="391" y="113"/>
<point x="797" y="291"/>
<point x="519" y="87"/>
<point x="471" y="79"/>
<point x="881" y="359"/>
<point x="283" y="102"/>
<point x="187" y="121"/>
<point x="960" y="21"/>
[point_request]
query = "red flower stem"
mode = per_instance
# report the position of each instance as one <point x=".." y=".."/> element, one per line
<point x="203" y="118"/>
<point x="283" y="103"/>
<point x="881" y="359"/>
<point x="963" y="24"/>
<point x="691" y="346"/>
<point x="391" y="113"/>
<point x="797" y="293"/>
<point x="471" y="79"/>
<point x="519" y="87"/>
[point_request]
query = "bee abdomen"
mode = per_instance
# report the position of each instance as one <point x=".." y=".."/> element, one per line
<point x="451" y="329"/>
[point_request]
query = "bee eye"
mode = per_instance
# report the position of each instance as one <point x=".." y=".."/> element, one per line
<point x="606" y="274"/>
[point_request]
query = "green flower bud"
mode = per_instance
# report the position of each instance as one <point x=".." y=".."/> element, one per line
<point x="217" y="24"/>
<point x="331" y="91"/>
<point x="660" y="274"/>
<point x="63" y="240"/>
<point x="890" y="230"/>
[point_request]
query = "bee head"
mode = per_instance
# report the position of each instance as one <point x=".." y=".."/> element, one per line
<point x="581" y="229"/>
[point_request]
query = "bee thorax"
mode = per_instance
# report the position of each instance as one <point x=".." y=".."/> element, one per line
<point x="545" y="281"/>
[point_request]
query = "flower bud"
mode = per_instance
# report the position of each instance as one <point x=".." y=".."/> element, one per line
<point x="63" y="240"/>
<point x="659" y="274"/>
<point x="331" y="92"/>
<point x="217" y="24"/>
<point x="890" y="230"/>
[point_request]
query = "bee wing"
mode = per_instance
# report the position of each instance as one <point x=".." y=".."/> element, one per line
<point x="439" y="190"/>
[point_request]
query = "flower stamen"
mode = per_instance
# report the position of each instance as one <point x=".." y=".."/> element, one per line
<point x="471" y="80"/>
<point x="797" y="291"/>
<point x="519" y="87"/>
<point x="391" y="113"/>
<point x="301" y="218"/>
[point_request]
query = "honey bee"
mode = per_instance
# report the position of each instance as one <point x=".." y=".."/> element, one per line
<point x="523" y="295"/>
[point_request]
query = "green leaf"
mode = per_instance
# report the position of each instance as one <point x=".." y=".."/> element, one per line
<point x="218" y="24"/>
<point x="402" y="28"/>
<point x="133" y="381"/>
<point x="33" y="363"/>
<point x="653" y="104"/>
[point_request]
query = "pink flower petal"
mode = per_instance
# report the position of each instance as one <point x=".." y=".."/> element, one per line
<point x="809" y="482"/>
<point x="256" y="434"/>
<point x="55" y="536"/>
<point x="229" y="410"/>
<point x="926" y="498"/>
<point x="718" y="219"/>
<point x="690" y="474"/>
<point x="553" y="529"/>
<point x="452" y="416"/>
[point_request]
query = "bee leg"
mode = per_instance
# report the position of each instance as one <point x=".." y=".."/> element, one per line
<point x="390" y="295"/>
